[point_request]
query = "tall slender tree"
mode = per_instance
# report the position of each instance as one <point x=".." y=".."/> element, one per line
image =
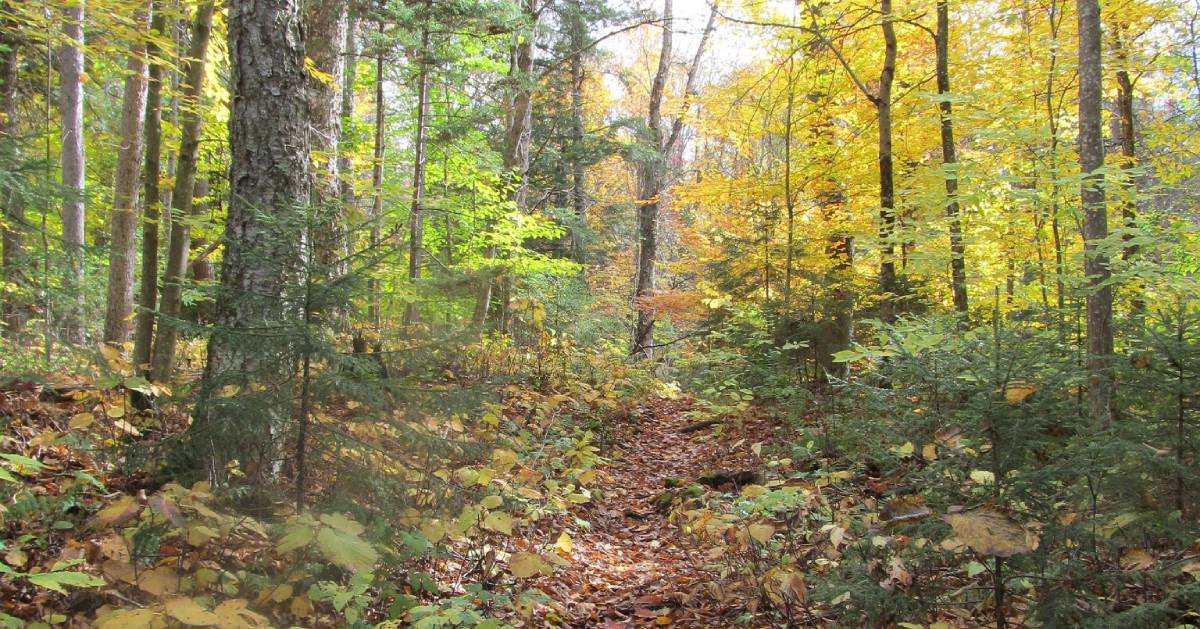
<point x="12" y="224"/>
<point x="416" y="219"/>
<point x="70" y="76"/>
<point x="958" y="271"/>
<point x="123" y="247"/>
<point x="182" y="205"/>
<point x="325" y="26"/>
<point x="1095" y="216"/>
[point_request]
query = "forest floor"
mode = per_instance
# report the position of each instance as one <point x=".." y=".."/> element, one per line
<point x="637" y="565"/>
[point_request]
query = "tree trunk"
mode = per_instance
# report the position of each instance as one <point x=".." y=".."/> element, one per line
<point x="375" y="308"/>
<point x="958" y="271"/>
<point x="262" y="277"/>
<point x="151" y="214"/>
<point x="12" y="238"/>
<point x="123" y="251"/>
<point x="416" y="219"/>
<point x="325" y="24"/>
<point x="1129" y="161"/>
<point x="1095" y="217"/>
<point x="517" y="136"/>
<point x="163" y="357"/>
<point x="579" y="41"/>
<point x="70" y="72"/>
<point x="345" y="160"/>
<point x="887" y="194"/>
<point x="650" y="184"/>
<point x="789" y="199"/>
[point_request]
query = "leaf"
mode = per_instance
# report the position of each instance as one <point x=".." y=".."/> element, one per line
<point x="128" y="619"/>
<point x="23" y="465"/>
<point x="761" y="533"/>
<point x="342" y="523"/>
<point x="503" y="459"/>
<point x="117" y="513"/>
<point x="491" y="502"/>
<point x="189" y="612"/>
<point x="989" y="532"/>
<point x="1018" y="391"/>
<point x="975" y="568"/>
<point x="159" y="581"/>
<point x="499" y="521"/>
<point x="299" y="534"/>
<point x="433" y="531"/>
<point x="1136" y="559"/>
<point x="929" y="452"/>
<point x="346" y="550"/>
<point x="564" y="543"/>
<point x="57" y="579"/>
<point x="81" y="421"/>
<point x="233" y="614"/>
<point x="524" y="565"/>
<point x="983" y="477"/>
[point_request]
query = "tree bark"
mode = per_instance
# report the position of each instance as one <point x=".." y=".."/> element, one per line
<point x="375" y="307"/>
<point x="152" y="197"/>
<point x="789" y="199"/>
<point x="1095" y="216"/>
<point x="182" y="206"/>
<point x="262" y="276"/>
<point x="1129" y="161"/>
<point x="958" y="271"/>
<point x="12" y="238"/>
<point x="325" y="25"/>
<point x="887" y="193"/>
<point x="416" y="219"/>
<point x="70" y="72"/>
<point x="517" y="136"/>
<point x="123" y="252"/>
<point x="345" y="160"/>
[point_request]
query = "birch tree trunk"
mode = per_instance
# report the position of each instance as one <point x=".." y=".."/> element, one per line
<point x="70" y="72"/>
<point x="325" y="24"/>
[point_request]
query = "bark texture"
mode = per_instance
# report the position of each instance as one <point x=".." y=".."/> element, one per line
<point x="325" y="24"/>
<point x="416" y="220"/>
<point x="12" y="235"/>
<point x="123" y="248"/>
<point x="70" y="76"/>
<point x="262" y="276"/>
<point x="143" y="334"/>
<point x="887" y="185"/>
<point x="162" y="360"/>
<point x="1095" y="216"/>
<point x="958" y="270"/>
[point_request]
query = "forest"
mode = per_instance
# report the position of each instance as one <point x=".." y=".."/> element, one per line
<point x="599" y="313"/>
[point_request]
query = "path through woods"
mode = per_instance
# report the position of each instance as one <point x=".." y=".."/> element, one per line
<point x="635" y="566"/>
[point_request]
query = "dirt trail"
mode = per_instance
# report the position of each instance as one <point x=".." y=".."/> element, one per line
<point x="634" y="567"/>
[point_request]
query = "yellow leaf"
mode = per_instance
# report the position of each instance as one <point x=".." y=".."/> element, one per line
<point x="503" y="459"/>
<point x="300" y="606"/>
<point x="1136" y="559"/>
<point x="189" y="612"/>
<point x="159" y="581"/>
<point x="524" y="565"/>
<point x="81" y="421"/>
<point x="116" y="514"/>
<point x="929" y="452"/>
<point x="499" y="521"/>
<point x="761" y="532"/>
<point x="1018" y="391"/>
<point x="128" y="619"/>
<point x="564" y="543"/>
<point x="989" y="532"/>
<point x="491" y="502"/>
<point x="233" y="614"/>
<point x="433" y="531"/>
<point x="983" y="477"/>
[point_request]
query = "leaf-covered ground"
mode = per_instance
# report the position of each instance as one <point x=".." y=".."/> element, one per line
<point x="633" y="562"/>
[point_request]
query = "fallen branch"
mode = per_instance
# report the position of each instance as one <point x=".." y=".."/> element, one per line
<point x="693" y="427"/>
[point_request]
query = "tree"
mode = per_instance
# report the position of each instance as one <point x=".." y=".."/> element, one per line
<point x="12" y="239"/>
<point x="143" y="335"/>
<point x="264" y="240"/>
<point x="1095" y="216"/>
<point x="325" y="29"/>
<point x="416" y="221"/>
<point x="122" y="252"/>
<point x="70" y="72"/>
<point x="652" y="175"/>
<point x="958" y="272"/>
<point x="182" y="199"/>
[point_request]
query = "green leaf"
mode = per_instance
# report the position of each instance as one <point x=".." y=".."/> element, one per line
<point x="56" y="580"/>
<point x="499" y="521"/>
<point x="347" y="551"/>
<point x="299" y="534"/>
